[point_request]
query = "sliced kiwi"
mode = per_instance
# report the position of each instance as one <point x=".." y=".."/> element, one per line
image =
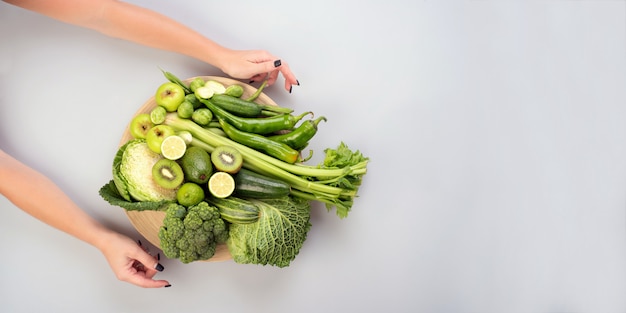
<point x="227" y="159"/>
<point x="167" y="174"/>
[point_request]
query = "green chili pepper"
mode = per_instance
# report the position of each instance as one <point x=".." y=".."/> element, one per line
<point x="270" y="147"/>
<point x="256" y="125"/>
<point x="258" y="91"/>
<point x="299" y="137"/>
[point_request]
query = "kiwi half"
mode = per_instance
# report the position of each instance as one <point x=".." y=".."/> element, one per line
<point x="167" y="174"/>
<point x="227" y="159"/>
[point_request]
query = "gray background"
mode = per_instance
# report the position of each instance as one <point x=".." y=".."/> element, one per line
<point x="495" y="129"/>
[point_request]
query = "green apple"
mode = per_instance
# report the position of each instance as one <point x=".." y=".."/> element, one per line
<point x="140" y="125"/>
<point x="169" y="95"/>
<point x="156" y="135"/>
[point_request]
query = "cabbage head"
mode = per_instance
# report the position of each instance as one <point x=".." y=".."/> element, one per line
<point x="132" y="173"/>
<point x="276" y="238"/>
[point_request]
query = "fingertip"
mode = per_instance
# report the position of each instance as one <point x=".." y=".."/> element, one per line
<point x="159" y="267"/>
<point x="159" y="284"/>
<point x="162" y="283"/>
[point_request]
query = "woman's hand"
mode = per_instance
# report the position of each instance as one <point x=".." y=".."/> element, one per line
<point x="119" y="19"/>
<point x="257" y="65"/>
<point x="131" y="263"/>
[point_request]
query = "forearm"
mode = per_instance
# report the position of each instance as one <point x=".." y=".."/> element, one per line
<point x="146" y="27"/>
<point x="38" y="196"/>
<point x="129" y="22"/>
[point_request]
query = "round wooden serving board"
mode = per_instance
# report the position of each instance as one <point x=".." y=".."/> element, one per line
<point x="148" y="223"/>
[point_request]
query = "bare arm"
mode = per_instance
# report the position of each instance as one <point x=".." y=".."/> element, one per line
<point x="38" y="196"/>
<point x="129" y="22"/>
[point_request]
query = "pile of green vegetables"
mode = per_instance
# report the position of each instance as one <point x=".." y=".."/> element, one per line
<point x="266" y="219"/>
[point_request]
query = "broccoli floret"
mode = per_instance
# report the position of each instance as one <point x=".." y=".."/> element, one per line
<point x="170" y="250"/>
<point x="220" y="232"/>
<point x="193" y="220"/>
<point x="192" y="234"/>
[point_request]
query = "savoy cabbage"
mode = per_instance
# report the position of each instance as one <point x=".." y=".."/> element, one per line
<point x="276" y="238"/>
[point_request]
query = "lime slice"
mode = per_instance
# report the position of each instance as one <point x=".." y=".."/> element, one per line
<point x="173" y="147"/>
<point x="221" y="184"/>
<point x="189" y="194"/>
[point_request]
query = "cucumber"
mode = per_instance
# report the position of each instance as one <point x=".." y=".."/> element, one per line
<point x="236" y="210"/>
<point x="237" y="106"/>
<point x="249" y="184"/>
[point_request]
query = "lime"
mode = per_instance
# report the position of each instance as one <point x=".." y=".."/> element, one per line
<point x="189" y="194"/>
<point x="173" y="147"/>
<point x="221" y="184"/>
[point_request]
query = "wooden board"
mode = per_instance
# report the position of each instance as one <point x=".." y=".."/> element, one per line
<point x="148" y="223"/>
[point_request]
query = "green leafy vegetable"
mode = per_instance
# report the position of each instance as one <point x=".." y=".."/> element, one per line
<point x="276" y="238"/>
<point x="192" y="234"/>
<point x="132" y="173"/>
<point x="110" y="193"/>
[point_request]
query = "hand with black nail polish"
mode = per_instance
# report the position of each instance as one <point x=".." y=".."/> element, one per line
<point x="255" y="66"/>
<point x="131" y="262"/>
<point x="153" y="29"/>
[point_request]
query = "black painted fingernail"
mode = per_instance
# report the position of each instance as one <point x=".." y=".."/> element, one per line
<point x="277" y="63"/>
<point x="159" y="267"/>
<point x="166" y="286"/>
<point x="139" y="242"/>
<point x="158" y="256"/>
<point x="290" y="87"/>
<point x="297" y="82"/>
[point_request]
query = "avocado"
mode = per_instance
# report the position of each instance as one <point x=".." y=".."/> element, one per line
<point x="196" y="164"/>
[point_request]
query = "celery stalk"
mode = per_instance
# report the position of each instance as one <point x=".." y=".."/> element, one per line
<point x="335" y="186"/>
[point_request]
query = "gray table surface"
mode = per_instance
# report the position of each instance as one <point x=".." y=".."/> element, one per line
<point x="495" y="129"/>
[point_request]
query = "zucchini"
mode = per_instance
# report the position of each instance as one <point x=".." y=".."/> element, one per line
<point x="236" y="210"/>
<point x="249" y="184"/>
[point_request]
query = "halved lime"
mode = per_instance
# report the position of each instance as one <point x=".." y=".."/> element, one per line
<point x="221" y="184"/>
<point x="173" y="147"/>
